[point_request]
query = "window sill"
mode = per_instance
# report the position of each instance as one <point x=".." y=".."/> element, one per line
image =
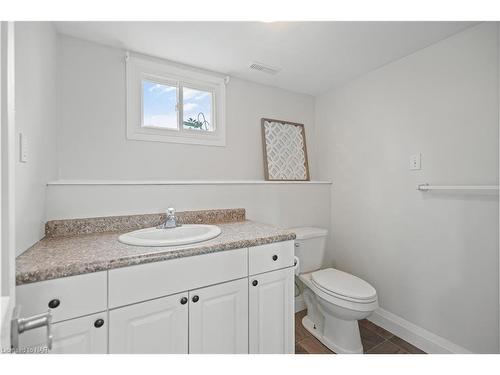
<point x="183" y="138"/>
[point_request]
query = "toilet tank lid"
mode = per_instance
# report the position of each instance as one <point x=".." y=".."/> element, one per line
<point x="304" y="233"/>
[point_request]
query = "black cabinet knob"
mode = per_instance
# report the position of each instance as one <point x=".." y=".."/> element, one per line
<point x="184" y="300"/>
<point x="99" y="323"/>
<point x="255" y="283"/>
<point x="195" y="298"/>
<point x="275" y="257"/>
<point x="54" y="303"/>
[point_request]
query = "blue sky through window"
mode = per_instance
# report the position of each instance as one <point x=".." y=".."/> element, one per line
<point x="159" y="105"/>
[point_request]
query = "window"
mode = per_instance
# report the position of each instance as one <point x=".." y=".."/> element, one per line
<point x="170" y="103"/>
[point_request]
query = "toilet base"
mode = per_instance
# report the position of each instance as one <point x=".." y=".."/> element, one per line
<point x="349" y="328"/>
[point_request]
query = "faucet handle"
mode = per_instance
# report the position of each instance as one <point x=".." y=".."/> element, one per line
<point x="170" y="211"/>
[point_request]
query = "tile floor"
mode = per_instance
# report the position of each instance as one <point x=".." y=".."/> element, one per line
<point x="376" y="340"/>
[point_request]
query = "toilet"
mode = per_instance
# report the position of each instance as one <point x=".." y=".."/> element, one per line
<point x="335" y="300"/>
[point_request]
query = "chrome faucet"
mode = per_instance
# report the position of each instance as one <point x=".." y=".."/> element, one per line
<point x="171" y="221"/>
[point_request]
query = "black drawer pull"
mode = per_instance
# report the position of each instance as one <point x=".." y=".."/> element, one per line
<point x="184" y="300"/>
<point x="255" y="283"/>
<point x="275" y="258"/>
<point x="54" y="303"/>
<point x="195" y="299"/>
<point x="99" y="323"/>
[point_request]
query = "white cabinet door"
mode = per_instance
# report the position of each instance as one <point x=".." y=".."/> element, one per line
<point x="151" y="327"/>
<point x="85" y="335"/>
<point x="271" y="312"/>
<point x="218" y="318"/>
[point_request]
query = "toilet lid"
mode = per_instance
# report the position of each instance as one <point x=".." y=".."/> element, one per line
<point x="343" y="284"/>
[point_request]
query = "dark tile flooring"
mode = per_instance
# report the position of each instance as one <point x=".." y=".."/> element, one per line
<point x="376" y="340"/>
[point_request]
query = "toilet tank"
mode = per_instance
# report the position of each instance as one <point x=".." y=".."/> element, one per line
<point x="310" y="247"/>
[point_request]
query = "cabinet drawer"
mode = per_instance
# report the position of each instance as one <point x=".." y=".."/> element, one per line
<point x="70" y="297"/>
<point x="152" y="280"/>
<point x="270" y="257"/>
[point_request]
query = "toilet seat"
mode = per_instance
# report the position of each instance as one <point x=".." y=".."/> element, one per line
<point x="343" y="286"/>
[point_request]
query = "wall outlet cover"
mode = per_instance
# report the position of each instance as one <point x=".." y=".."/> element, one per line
<point x="415" y="162"/>
<point x="23" y="148"/>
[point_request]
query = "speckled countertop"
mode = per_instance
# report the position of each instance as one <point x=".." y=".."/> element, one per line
<point x="55" y="257"/>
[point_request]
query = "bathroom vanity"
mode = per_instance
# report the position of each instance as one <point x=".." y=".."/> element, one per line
<point x="232" y="294"/>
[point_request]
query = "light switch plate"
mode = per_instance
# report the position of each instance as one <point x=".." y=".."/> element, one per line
<point x="415" y="162"/>
<point x="23" y="148"/>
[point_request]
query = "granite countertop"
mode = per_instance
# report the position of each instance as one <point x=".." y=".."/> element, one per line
<point x="55" y="257"/>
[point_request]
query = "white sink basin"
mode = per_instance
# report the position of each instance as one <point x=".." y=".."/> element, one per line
<point x="183" y="235"/>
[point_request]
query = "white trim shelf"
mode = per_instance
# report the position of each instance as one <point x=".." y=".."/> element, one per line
<point x="427" y="187"/>
<point x="182" y="182"/>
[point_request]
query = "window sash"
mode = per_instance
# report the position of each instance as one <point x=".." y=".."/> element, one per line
<point x="213" y="108"/>
<point x="161" y="81"/>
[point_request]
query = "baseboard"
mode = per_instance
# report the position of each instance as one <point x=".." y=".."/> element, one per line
<point x="415" y="335"/>
<point x="299" y="303"/>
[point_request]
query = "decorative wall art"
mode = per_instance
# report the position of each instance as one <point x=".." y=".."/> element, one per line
<point x="285" y="152"/>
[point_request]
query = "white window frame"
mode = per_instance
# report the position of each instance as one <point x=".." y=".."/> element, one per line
<point x="139" y="68"/>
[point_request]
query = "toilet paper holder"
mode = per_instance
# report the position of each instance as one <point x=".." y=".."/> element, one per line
<point x="296" y="265"/>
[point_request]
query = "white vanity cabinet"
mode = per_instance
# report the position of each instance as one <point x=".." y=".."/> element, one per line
<point x="213" y="319"/>
<point x="218" y="319"/>
<point x="85" y="335"/>
<point x="67" y="297"/>
<point x="78" y="306"/>
<point x="234" y="301"/>
<point x="271" y="312"/>
<point x="271" y="298"/>
<point x="151" y="327"/>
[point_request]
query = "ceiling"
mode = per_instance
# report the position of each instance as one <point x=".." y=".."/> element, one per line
<point x="313" y="56"/>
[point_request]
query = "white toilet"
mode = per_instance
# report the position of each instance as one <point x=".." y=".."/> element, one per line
<point x="335" y="300"/>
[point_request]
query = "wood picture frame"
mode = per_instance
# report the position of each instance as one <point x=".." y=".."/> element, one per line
<point x="276" y="167"/>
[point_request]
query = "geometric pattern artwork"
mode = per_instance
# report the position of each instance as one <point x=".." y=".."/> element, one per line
<point x="285" y="152"/>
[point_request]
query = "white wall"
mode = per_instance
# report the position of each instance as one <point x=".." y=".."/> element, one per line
<point x="92" y="134"/>
<point x="286" y="205"/>
<point x="433" y="257"/>
<point x="35" y="80"/>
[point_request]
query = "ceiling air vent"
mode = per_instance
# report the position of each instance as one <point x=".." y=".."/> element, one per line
<point x="264" y="68"/>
